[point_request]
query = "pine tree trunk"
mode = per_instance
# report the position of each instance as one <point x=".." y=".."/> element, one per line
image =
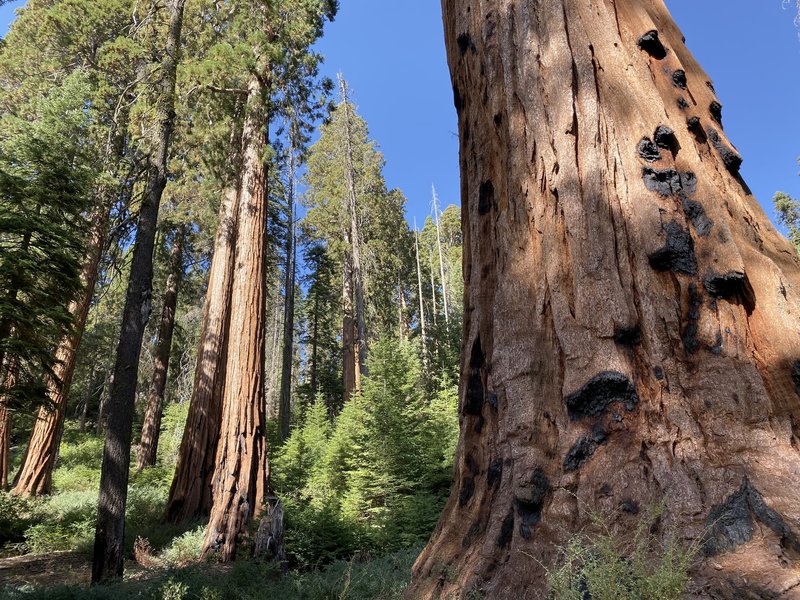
<point x="35" y="475"/>
<point x="350" y="372"/>
<point x="148" y="447"/>
<point x="240" y="478"/>
<point x="110" y="530"/>
<point x="441" y="256"/>
<point x="630" y="330"/>
<point x="8" y="377"/>
<point x="285" y="402"/>
<point x="360" y="341"/>
<point x="190" y="493"/>
<point x="423" y="336"/>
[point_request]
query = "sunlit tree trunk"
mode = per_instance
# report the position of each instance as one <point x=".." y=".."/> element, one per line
<point x="190" y="493"/>
<point x="35" y="475"/>
<point x="630" y="333"/>
<point x="360" y="341"/>
<point x="148" y="446"/>
<point x="240" y="478"/>
<point x="422" y="332"/>
<point x="285" y="401"/>
<point x="435" y="202"/>
<point x="8" y="376"/>
<point x="110" y="529"/>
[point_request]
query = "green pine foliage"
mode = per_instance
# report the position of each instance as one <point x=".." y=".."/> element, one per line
<point x="788" y="210"/>
<point x="375" y="478"/>
<point x="45" y="179"/>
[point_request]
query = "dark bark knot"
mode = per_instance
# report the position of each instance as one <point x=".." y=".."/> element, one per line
<point x="465" y="43"/>
<point x="796" y="376"/>
<point x="506" y="530"/>
<point x="691" y="319"/>
<point x="732" y="522"/>
<point x="599" y="393"/>
<point x="494" y="475"/>
<point x="696" y="129"/>
<point x="474" y="395"/>
<point x="679" y="79"/>
<point x="730" y="158"/>
<point x="651" y="44"/>
<point x="677" y="254"/>
<point x="733" y="286"/>
<point x="530" y="499"/>
<point x="715" y="108"/>
<point x="486" y="197"/>
<point x="669" y="182"/>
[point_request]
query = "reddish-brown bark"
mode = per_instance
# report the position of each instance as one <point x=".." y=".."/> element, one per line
<point x="151" y="427"/>
<point x="630" y="330"/>
<point x="240" y="477"/>
<point x="190" y="494"/>
<point x="36" y="472"/>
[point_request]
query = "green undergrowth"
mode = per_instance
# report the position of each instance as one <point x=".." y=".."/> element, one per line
<point x="382" y="578"/>
<point x="605" y="565"/>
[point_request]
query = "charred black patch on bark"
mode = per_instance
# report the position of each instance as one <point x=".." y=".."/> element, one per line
<point x="472" y="465"/>
<point x="697" y="216"/>
<point x="664" y="182"/>
<point x="599" y="433"/>
<point x="796" y="376"/>
<point x="494" y="475"/>
<point x="659" y="373"/>
<point x="530" y="502"/>
<point x="628" y="336"/>
<point x="679" y="79"/>
<point x="465" y="43"/>
<point x="716" y="112"/>
<point x="730" y="158"/>
<point x="599" y="393"/>
<point x="485" y="197"/>
<point x="472" y="533"/>
<point x="689" y="336"/>
<point x="665" y="138"/>
<point x="733" y="286"/>
<point x="731" y="523"/>
<point x="630" y="506"/>
<point x="458" y="101"/>
<point x="506" y="530"/>
<point x="466" y="491"/>
<point x="498" y="119"/>
<point x="581" y="451"/>
<point x="651" y="44"/>
<point x="682" y="103"/>
<point x="474" y="397"/>
<point x="677" y="254"/>
<point x="648" y="150"/>
<point x="696" y="129"/>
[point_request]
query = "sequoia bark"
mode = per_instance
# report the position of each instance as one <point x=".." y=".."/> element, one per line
<point x="630" y="330"/>
<point x="241" y="474"/>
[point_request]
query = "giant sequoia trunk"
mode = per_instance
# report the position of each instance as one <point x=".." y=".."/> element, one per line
<point x="190" y="493"/>
<point x="240" y="476"/>
<point x="630" y="330"/>
<point x="148" y="447"/>
<point x="110" y="527"/>
<point x="35" y="475"/>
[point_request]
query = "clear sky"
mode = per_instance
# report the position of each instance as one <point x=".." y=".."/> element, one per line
<point x="392" y="54"/>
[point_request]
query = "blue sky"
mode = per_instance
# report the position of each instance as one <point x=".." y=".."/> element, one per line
<point x="392" y="54"/>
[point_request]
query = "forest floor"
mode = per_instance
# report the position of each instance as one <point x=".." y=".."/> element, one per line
<point x="54" y="568"/>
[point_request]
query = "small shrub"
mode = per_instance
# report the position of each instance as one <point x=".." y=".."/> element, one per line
<point x="184" y="548"/>
<point x="607" y="567"/>
<point x="14" y="518"/>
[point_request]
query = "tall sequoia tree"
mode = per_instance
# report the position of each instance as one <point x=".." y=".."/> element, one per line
<point x="630" y="331"/>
